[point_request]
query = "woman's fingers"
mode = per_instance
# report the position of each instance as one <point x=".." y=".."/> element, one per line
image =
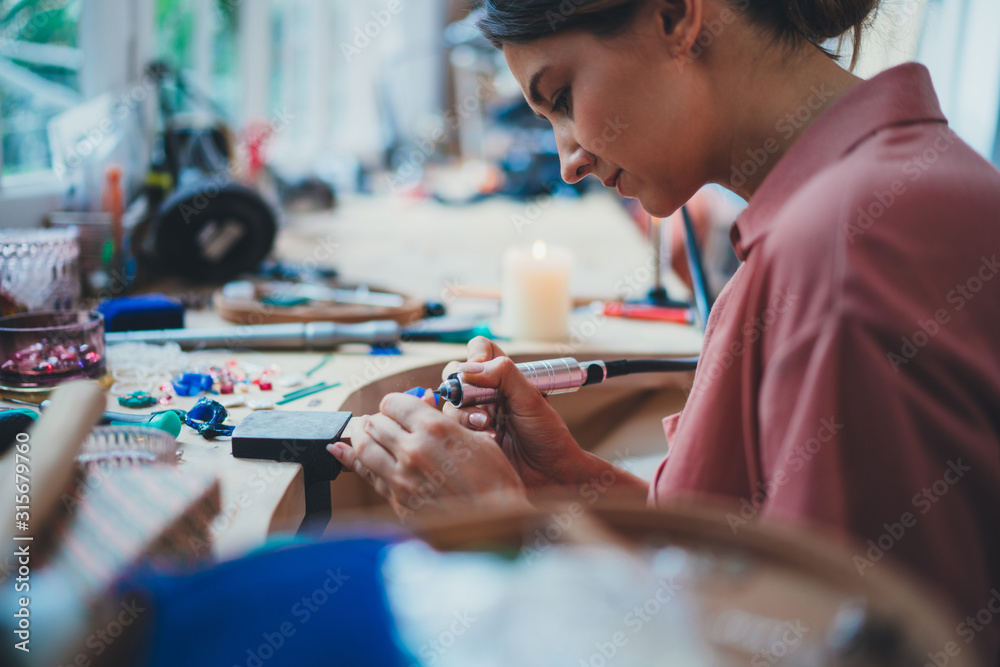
<point x="500" y="373"/>
<point x="480" y="349"/>
<point x="407" y="411"/>
<point x="430" y="398"/>
<point x="471" y="418"/>
<point x="349" y="458"/>
<point x="476" y="419"/>
<point x="449" y="368"/>
<point x="344" y="453"/>
<point x="384" y="431"/>
<point x="364" y="453"/>
<point x="483" y="349"/>
<point x="377" y="483"/>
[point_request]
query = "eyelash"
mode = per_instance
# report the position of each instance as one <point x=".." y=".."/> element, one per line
<point x="562" y="102"/>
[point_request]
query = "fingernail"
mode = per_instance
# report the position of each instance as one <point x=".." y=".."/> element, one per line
<point x="333" y="449"/>
<point x="472" y="367"/>
<point x="478" y="419"/>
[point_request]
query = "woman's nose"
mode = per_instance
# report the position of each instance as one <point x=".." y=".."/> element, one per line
<point x="575" y="162"/>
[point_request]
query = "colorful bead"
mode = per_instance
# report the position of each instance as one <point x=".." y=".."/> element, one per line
<point x="137" y="399"/>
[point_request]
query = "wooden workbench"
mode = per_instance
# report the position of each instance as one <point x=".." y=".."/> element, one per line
<point x="424" y="249"/>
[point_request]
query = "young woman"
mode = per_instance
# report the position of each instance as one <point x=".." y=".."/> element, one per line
<point x="850" y="377"/>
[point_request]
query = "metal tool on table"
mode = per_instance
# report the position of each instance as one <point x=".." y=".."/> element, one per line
<point x="299" y="336"/>
<point x="313" y="335"/>
<point x="359" y="296"/>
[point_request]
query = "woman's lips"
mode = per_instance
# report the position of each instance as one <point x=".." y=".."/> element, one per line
<point x="618" y="183"/>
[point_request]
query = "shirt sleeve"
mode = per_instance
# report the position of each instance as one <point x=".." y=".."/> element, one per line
<point x="669" y="429"/>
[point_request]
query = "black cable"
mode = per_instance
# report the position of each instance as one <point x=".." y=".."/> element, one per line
<point x="628" y="367"/>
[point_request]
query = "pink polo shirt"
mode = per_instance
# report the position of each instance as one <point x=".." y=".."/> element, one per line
<point x="850" y="377"/>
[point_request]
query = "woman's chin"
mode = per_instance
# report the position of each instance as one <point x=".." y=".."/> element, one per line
<point x="661" y="205"/>
<point x="656" y="206"/>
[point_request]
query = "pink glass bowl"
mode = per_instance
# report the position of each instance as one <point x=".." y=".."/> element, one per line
<point x="41" y="350"/>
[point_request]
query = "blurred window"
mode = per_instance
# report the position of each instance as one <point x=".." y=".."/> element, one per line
<point x="960" y="47"/>
<point x="199" y="38"/>
<point x="40" y="65"/>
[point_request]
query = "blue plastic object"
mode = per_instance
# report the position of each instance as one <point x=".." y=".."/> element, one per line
<point x="420" y="392"/>
<point x="206" y="417"/>
<point x="310" y="606"/>
<point x="142" y="313"/>
<point x="192" y="384"/>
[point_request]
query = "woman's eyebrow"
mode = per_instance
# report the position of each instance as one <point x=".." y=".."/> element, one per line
<point x="536" y="97"/>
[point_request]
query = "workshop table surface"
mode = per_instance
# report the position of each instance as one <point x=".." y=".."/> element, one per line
<point x="425" y="249"/>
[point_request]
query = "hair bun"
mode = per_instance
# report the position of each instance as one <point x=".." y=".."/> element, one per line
<point x="819" y="20"/>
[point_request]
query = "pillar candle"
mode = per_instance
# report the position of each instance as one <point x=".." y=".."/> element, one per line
<point x="535" y="300"/>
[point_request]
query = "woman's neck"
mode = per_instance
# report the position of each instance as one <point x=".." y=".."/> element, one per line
<point x="775" y="99"/>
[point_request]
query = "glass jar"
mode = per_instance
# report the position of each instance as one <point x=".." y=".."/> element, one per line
<point x="39" y="270"/>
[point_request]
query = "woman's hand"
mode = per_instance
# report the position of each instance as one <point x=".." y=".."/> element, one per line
<point x="420" y="459"/>
<point x="532" y="435"/>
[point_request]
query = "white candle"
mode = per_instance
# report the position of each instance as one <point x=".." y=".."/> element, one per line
<point x="535" y="301"/>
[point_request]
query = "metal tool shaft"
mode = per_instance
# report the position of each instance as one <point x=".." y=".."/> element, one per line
<point x="550" y="376"/>
<point x="299" y="336"/>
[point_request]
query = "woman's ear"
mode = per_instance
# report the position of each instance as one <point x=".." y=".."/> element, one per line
<point x="679" y="23"/>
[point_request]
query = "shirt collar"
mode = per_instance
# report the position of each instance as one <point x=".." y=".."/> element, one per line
<point x="903" y="94"/>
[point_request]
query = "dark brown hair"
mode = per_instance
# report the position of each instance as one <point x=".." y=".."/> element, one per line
<point x="518" y="21"/>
